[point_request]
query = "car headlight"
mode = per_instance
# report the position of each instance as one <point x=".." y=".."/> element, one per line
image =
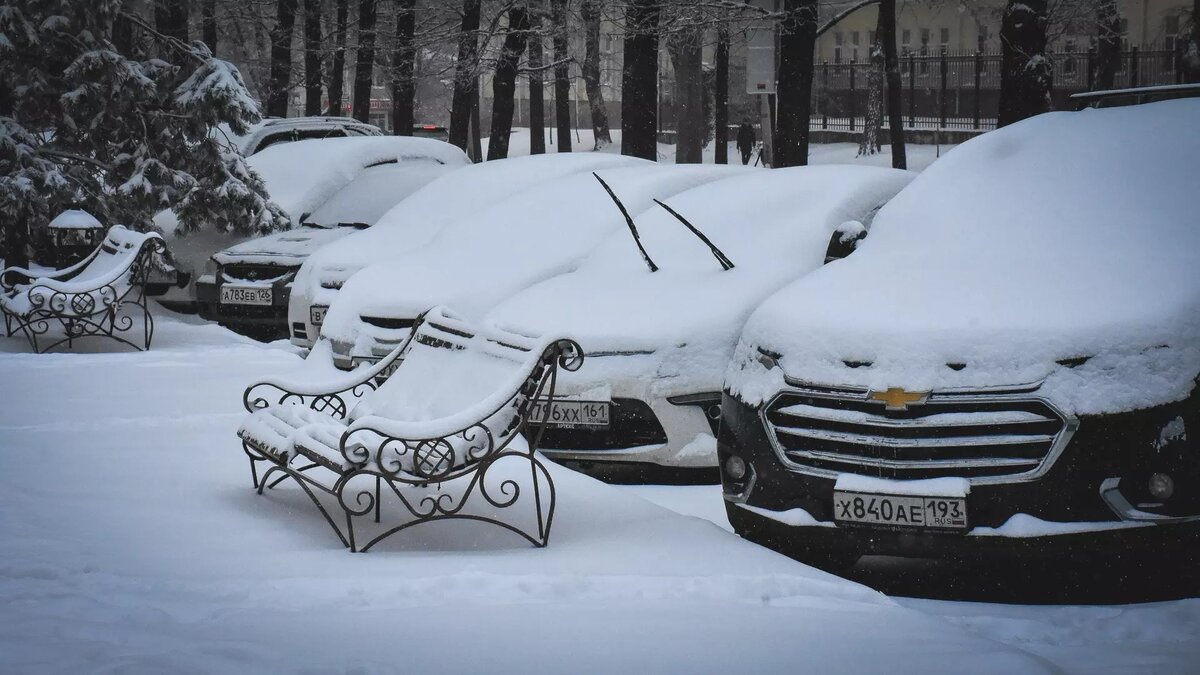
<point x="210" y="268"/>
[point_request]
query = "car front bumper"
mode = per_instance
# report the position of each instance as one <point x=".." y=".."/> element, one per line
<point x="1088" y="501"/>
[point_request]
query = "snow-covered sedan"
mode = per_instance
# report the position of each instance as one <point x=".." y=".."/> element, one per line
<point x="1007" y="365"/>
<point x="659" y="330"/>
<point x="329" y="188"/>
<point x="474" y="263"/>
<point x="413" y="223"/>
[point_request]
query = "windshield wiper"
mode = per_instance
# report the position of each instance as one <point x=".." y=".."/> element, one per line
<point x="726" y="263"/>
<point x="628" y="221"/>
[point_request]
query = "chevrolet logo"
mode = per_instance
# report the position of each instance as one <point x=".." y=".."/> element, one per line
<point x="895" y="398"/>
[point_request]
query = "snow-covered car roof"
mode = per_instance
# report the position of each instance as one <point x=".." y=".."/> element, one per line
<point x="274" y="130"/>
<point x="303" y="175"/>
<point x="414" y="221"/>
<point x="1062" y="248"/>
<point x="772" y="225"/>
<point x="475" y="262"/>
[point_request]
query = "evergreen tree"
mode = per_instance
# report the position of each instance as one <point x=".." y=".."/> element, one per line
<point x="123" y="136"/>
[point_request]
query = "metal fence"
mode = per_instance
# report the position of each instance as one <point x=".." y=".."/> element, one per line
<point x="961" y="90"/>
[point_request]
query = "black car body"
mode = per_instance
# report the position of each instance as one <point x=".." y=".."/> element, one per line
<point x="1008" y="365"/>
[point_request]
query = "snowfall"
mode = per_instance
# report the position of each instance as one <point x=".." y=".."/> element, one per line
<point x="134" y="543"/>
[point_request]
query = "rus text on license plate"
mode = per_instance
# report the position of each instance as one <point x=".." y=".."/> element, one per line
<point x="245" y="295"/>
<point x="900" y="511"/>
<point x="571" y="414"/>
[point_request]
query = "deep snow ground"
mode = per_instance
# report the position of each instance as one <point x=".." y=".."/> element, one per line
<point x="1156" y="637"/>
<point x="133" y="543"/>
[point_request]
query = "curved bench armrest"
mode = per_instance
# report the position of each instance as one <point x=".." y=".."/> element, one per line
<point x="327" y="394"/>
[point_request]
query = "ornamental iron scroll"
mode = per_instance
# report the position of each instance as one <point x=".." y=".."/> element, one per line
<point x="473" y="473"/>
<point x="118" y="310"/>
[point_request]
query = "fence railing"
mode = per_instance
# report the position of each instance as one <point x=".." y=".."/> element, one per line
<point x="961" y="90"/>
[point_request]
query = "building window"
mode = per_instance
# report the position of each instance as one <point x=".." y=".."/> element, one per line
<point x="983" y="38"/>
<point x="1069" y="63"/>
<point x="837" y="47"/>
<point x="945" y="35"/>
<point x="906" y="37"/>
<point x="924" y="50"/>
<point x="870" y="37"/>
<point x="1170" y="33"/>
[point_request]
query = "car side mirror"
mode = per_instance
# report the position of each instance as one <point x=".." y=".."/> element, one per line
<point x="845" y="240"/>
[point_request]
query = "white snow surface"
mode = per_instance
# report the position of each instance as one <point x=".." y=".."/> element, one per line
<point x="475" y="262"/>
<point x="1155" y="637"/>
<point x="683" y="320"/>
<point x="135" y="544"/>
<point x="1067" y="235"/>
<point x="74" y="219"/>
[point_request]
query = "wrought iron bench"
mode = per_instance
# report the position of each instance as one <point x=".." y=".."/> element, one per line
<point x="443" y="436"/>
<point x="102" y="295"/>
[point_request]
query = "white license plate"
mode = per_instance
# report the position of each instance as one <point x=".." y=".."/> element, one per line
<point x="900" y="511"/>
<point x="245" y="295"/>
<point x="571" y="414"/>
<point x="316" y="314"/>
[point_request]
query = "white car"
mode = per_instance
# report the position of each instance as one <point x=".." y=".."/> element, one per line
<point x="413" y="223"/>
<point x="301" y="177"/>
<point x="475" y="263"/>
<point x="658" y="342"/>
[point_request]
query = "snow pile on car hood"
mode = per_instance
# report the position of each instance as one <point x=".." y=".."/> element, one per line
<point x="363" y="200"/>
<point x="1062" y="249"/>
<point x="415" y="220"/>
<point x="476" y="262"/>
<point x="774" y="226"/>
<point x="301" y="175"/>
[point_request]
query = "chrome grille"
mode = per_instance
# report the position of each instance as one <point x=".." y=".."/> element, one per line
<point x="980" y="436"/>
<point x="255" y="272"/>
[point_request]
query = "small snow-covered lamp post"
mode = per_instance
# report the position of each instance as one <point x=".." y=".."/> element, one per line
<point x="73" y="234"/>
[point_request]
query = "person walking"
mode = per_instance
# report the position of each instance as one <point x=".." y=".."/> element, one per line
<point x="745" y="141"/>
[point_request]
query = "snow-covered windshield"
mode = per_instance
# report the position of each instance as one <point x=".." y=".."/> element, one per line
<point x="376" y="190"/>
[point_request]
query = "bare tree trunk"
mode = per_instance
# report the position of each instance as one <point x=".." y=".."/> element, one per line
<point x="1108" y="44"/>
<point x="797" y="37"/>
<point x="562" y="74"/>
<point x="686" y="59"/>
<point x="504" y="82"/>
<point x="208" y="24"/>
<point x="465" y="79"/>
<point x="281" y="58"/>
<point x="589" y="11"/>
<point x="721" y="96"/>
<point x="312" y="57"/>
<point x="639" y="80"/>
<point x="887" y="35"/>
<point x="1191" y="51"/>
<point x="171" y="18"/>
<point x="475" y="152"/>
<point x="337" y="70"/>
<point x="868" y="144"/>
<point x="1024" y="69"/>
<point x="364" y="62"/>
<point x="537" y="91"/>
<point x="404" y="87"/>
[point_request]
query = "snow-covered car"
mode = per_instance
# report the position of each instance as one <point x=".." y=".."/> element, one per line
<point x="414" y="222"/>
<point x="476" y="262"/>
<point x="301" y="177"/>
<point x="274" y="130"/>
<point x="1007" y="365"/>
<point x="657" y="343"/>
<point x="248" y="285"/>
